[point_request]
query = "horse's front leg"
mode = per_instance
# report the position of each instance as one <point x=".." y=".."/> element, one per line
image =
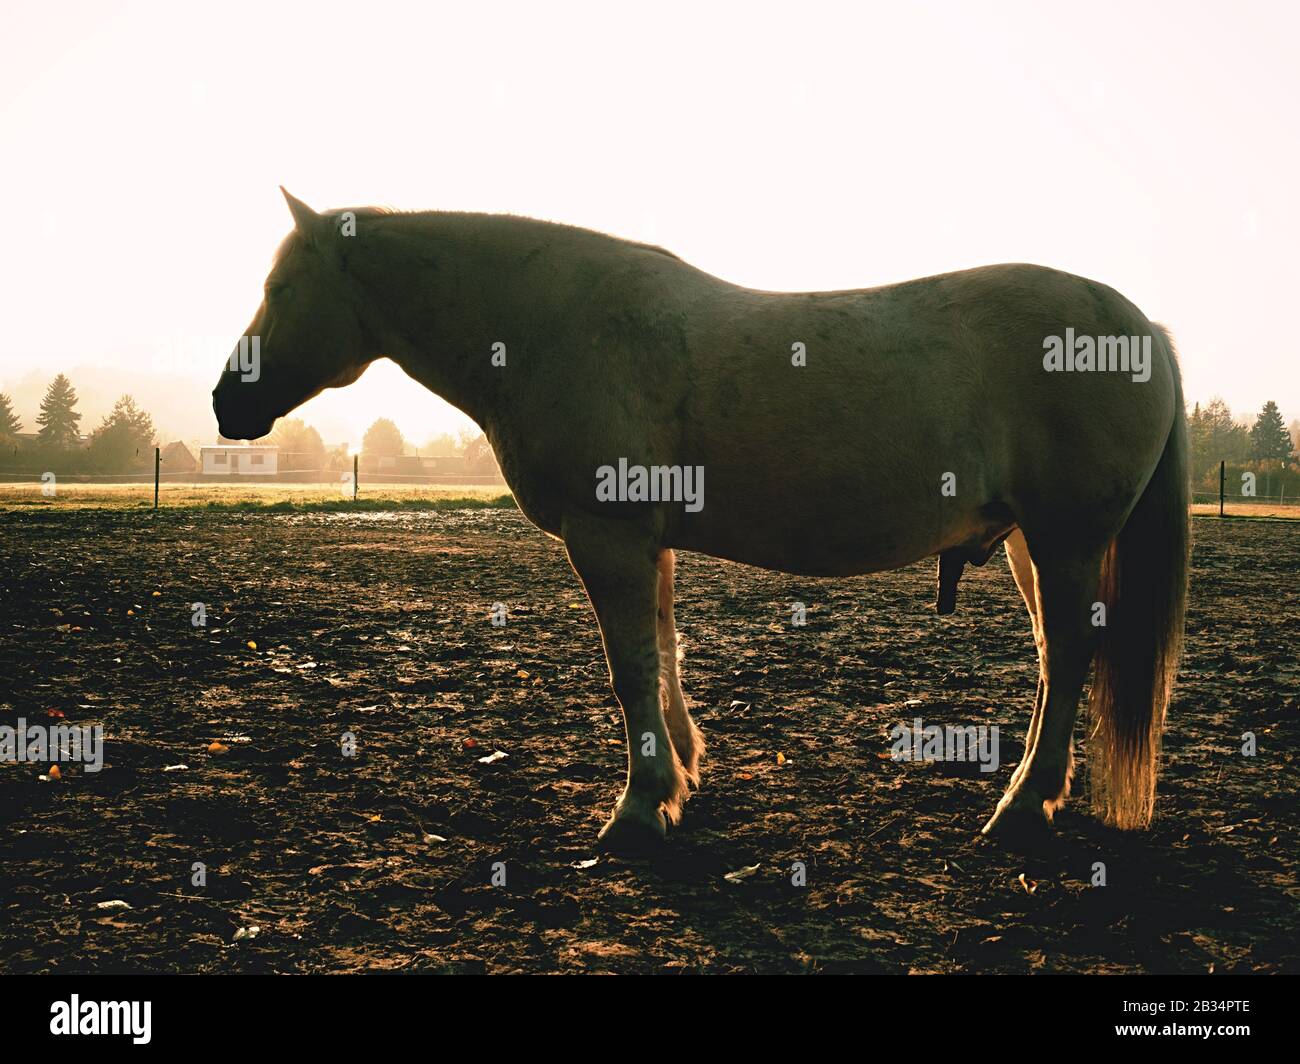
<point x="616" y="561"/>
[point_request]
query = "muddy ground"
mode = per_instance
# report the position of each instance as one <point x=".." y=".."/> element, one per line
<point x="378" y="625"/>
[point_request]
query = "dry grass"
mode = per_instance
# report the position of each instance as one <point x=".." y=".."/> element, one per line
<point x="255" y="496"/>
<point x="1288" y="511"/>
<point x="246" y="496"/>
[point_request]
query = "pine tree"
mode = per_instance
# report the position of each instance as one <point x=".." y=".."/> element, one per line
<point x="58" y="419"/>
<point x="124" y="440"/>
<point x="9" y="423"/>
<point x="1268" y="438"/>
<point x="1214" y="437"/>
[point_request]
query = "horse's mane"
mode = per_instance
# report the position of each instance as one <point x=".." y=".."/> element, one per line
<point x="432" y="216"/>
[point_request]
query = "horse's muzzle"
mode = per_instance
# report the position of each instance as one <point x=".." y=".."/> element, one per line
<point x="239" y="415"/>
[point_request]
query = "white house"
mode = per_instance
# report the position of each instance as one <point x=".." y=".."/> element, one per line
<point x="239" y="459"/>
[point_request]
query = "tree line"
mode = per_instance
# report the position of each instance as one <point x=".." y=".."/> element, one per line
<point x="124" y="441"/>
<point x="384" y="439"/>
<point x="1266" y="448"/>
<point x="301" y="447"/>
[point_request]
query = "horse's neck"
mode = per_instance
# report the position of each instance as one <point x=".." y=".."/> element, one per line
<point x="451" y="288"/>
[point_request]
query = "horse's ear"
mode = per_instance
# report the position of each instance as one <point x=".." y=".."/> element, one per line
<point x="304" y="218"/>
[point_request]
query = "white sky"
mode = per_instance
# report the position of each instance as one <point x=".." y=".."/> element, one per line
<point x="1151" y="146"/>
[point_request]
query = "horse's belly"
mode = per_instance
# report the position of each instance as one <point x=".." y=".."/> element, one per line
<point x="846" y="537"/>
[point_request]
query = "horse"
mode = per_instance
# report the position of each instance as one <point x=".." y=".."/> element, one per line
<point x="843" y="432"/>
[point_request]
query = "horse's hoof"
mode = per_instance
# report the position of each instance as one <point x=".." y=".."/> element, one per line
<point x="1020" y="824"/>
<point x="631" y="833"/>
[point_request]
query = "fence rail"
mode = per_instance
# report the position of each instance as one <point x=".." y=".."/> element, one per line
<point x="314" y="474"/>
<point x="302" y="476"/>
<point x="336" y="477"/>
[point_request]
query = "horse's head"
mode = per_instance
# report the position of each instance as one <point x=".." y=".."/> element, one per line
<point x="307" y="335"/>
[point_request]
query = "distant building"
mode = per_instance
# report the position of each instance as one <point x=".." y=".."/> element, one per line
<point x="176" y="458"/>
<point x="35" y="438"/>
<point x="239" y="459"/>
<point x="409" y="465"/>
<point x="446" y="463"/>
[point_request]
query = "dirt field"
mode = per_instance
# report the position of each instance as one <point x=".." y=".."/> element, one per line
<point x="377" y="624"/>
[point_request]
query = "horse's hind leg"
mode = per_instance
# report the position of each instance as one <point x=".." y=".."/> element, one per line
<point x="617" y="562"/>
<point x="1022" y="569"/>
<point x="1066" y="590"/>
<point x="686" y="737"/>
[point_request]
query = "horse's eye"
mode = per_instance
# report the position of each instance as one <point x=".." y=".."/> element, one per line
<point x="275" y="291"/>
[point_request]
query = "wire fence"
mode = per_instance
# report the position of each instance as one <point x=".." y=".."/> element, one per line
<point x="265" y="466"/>
<point x="1239" y="494"/>
<point x="283" y="476"/>
<point x="1205" y="498"/>
<point x="307" y="470"/>
<point x="249" y="470"/>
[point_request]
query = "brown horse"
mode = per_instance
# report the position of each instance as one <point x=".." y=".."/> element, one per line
<point x="842" y="433"/>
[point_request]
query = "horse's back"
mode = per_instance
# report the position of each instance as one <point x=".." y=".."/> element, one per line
<point x="920" y="404"/>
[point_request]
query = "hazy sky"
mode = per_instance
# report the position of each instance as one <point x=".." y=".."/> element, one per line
<point x="793" y="146"/>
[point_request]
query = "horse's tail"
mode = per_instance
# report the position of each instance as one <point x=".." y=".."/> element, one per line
<point x="1144" y="587"/>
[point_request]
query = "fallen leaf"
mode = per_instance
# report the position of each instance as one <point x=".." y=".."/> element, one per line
<point x="741" y="873"/>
